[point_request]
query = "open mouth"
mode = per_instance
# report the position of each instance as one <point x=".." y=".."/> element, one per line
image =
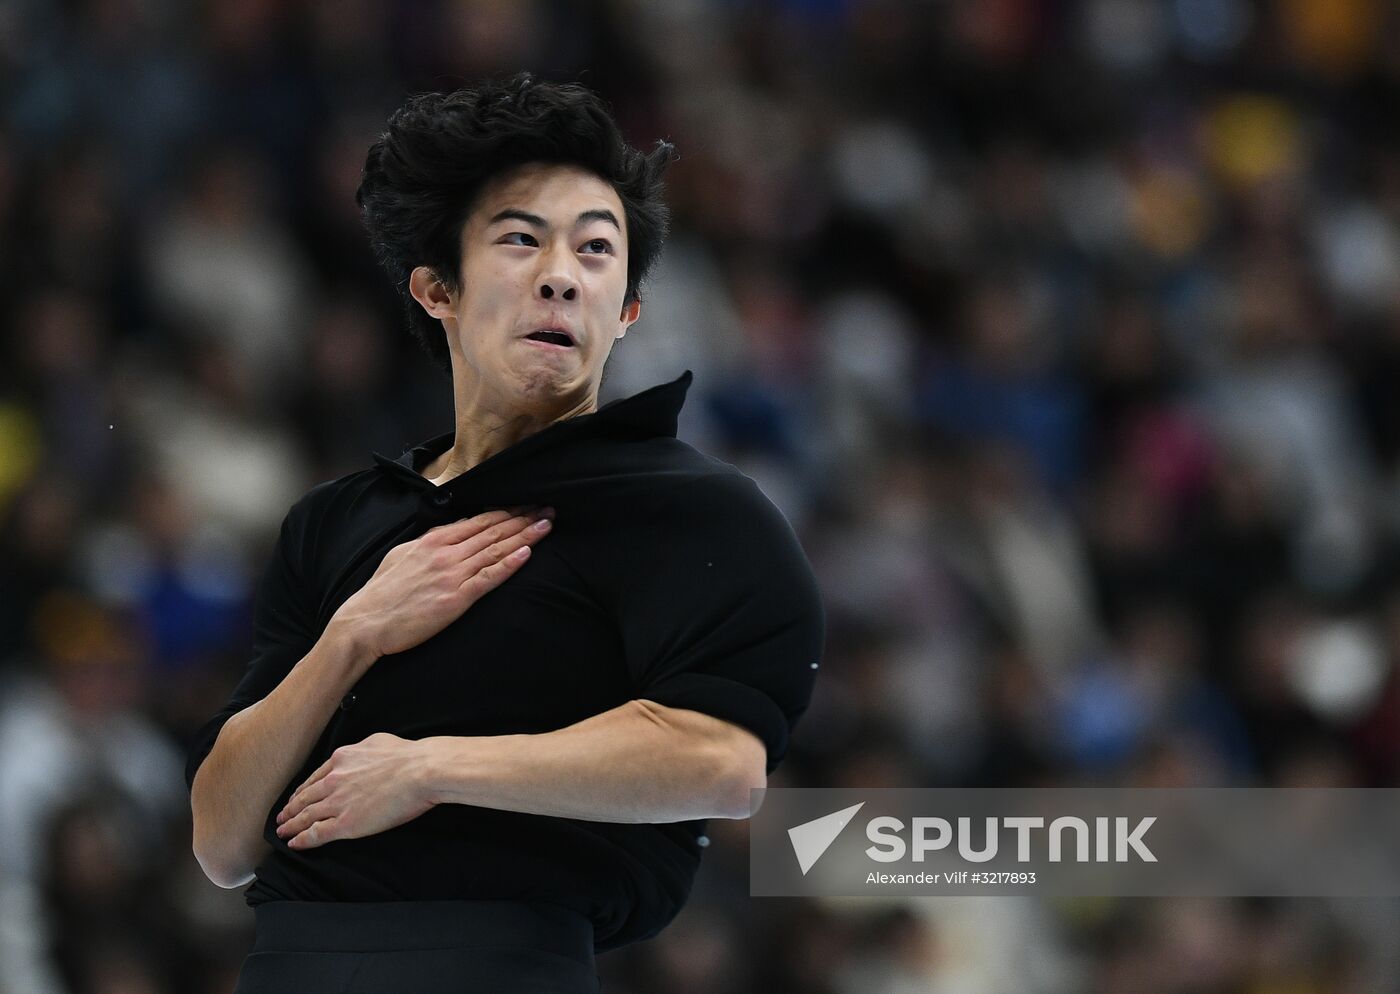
<point x="552" y="338"/>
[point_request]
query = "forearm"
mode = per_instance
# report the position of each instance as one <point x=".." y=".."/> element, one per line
<point x="257" y="753"/>
<point x="637" y="763"/>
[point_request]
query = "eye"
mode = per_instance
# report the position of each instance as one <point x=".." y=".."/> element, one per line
<point x="521" y="234"/>
<point x="606" y="246"/>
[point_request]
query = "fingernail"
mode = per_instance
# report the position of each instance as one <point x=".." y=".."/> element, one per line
<point x="542" y="525"/>
<point x="547" y="512"/>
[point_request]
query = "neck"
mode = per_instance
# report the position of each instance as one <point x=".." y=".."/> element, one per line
<point x="485" y="427"/>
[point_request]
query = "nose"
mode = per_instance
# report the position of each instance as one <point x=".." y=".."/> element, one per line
<point x="567" y="291"/>
<point x="555" y="278"/>
<point x="560" y="284"/>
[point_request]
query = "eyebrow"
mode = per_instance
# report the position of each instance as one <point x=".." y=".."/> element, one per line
<point x="516" y="214"/>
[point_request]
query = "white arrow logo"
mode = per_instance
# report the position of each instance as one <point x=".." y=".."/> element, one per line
<point x="812" y="838"/>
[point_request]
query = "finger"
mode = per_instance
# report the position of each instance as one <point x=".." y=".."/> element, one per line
<point x="308" y="816"/>
<point x="491" y="576"/>
<point x="304" y="798"/>
<point x="531" y="511"/>
<point x="455" y="531"/>
<point x="321" y="771"/>
<point x="526" y="510"/>
<point x="317" y="834"/>
<point x="503" y="549"/>
<point x="505" y="532"/>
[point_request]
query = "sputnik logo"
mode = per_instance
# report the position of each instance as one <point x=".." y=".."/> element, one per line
<point x="812" y="838"/>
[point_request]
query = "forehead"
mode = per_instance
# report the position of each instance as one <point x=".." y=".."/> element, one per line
<point x="558" y="193"/>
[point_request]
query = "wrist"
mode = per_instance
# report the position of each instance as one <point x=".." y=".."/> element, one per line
<point x="351" y="643"/>
<point x="458" y="769"/>
<point x="430" y="768"/>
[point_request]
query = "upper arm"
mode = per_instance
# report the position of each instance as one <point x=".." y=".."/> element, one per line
<point x="740" y="744"/>
<point x="721" y="613"/>
<point x="737" y="753"/>
<point x="284" y="630"/>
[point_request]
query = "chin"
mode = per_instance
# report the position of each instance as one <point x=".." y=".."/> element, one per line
<point x="545" y="386"/>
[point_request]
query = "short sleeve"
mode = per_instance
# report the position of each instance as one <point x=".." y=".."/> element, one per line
<point x="284" y="631"/>
<point x="721" y="613"/>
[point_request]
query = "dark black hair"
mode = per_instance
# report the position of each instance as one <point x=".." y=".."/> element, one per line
<point x="423" y="175"/>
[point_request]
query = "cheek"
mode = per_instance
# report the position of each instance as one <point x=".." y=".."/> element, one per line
<point x="494" y="292"/>
<point x="607" y="295"/>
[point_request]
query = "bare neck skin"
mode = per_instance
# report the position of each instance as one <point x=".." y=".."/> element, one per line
<point x="488" y="424"/>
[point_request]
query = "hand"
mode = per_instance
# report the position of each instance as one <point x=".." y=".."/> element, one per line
<point x="423" y="585"/>
<point x="363" y="789"/>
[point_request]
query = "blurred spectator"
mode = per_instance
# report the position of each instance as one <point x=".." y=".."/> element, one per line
<point x="71" y="726"/>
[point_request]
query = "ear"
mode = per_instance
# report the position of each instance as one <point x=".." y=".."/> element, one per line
<point x="429" y="291"/>
<point x="630" y="313"/>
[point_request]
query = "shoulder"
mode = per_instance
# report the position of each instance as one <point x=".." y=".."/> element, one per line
<point x="327" y="493"/>
<point x="724" y="494"/>
<point x="324" y="506"/>
<point x="648" y="481"/>
<point x="681" y="472"/>
<point x="712" y="504"/>
<point x="713" y="488"/>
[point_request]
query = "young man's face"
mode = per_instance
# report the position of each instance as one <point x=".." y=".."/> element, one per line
<point x="544" y="248"/>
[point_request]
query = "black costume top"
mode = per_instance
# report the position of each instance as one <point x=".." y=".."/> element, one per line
<point x="668" y="576"/>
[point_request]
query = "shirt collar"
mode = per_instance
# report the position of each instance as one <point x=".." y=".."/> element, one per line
<point x="652" y="413"/>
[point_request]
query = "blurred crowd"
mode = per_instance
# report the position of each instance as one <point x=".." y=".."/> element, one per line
<point x="1065" y="332"/>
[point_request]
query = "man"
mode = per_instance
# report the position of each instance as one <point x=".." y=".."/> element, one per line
<point x="499" y="683"/>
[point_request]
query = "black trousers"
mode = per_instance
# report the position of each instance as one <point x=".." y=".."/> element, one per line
<point x="419" y="947"/>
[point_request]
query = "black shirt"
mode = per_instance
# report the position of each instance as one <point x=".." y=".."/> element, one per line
<point x="667" y="576"/>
